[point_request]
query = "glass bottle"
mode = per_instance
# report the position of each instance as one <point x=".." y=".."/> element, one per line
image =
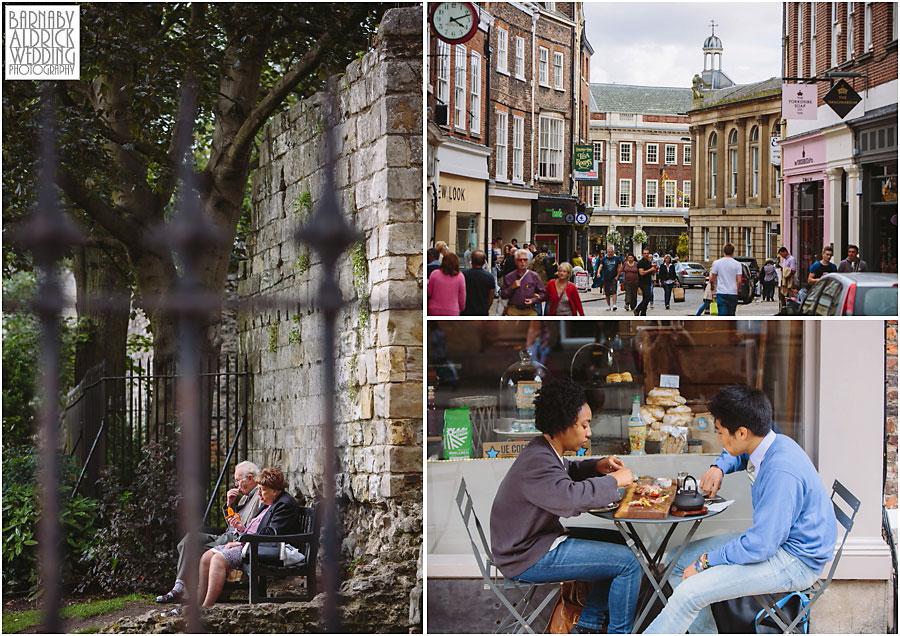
<point x="637" y="430"/>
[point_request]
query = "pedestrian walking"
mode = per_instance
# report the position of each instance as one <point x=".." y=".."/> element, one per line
<point x="725" y="279"/>
<point x="668" y="278"/>
<point x="523" y="288"/>
<point x="509" y="260"/>
<point x="822" y="266"/>
<point x="562" y="295"/>
<point x="433" y="257"/>
<point x="707" y="300"/>
<point x="646" y="270"/>
<point x="447" y="288"/>
<point x="853" y="263"/>
<point x="788" y="273"/>
<point x="768" y="278"/>
<point x="630" y="281"/>
<point x="608" y="270"/>
<point x="480" y="286"/>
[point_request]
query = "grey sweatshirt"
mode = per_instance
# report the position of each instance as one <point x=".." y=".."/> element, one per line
<point x="536" y="492"/>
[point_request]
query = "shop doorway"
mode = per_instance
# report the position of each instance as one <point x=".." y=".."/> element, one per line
<point x="807" y="224"/>
<point x="879" y="219"/>
<point x="552" y="243"/>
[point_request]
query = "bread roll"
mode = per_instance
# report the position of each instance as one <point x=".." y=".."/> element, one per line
<point x="678" y="419"/>
<point x="647" y="415"/>
<point x="626" y="377"/>
<point x="679" y="409"/>
<point x="612" y="378"/>
<point x="663" y="392"/>
<point x="666" y="401"/>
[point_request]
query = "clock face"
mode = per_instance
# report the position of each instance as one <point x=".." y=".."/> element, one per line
<point x="454" y="21"/>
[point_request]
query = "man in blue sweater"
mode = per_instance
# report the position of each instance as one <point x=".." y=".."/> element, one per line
<point x="793" y="532"/>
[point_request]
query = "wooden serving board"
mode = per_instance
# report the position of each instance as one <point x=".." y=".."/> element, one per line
<point x="658" y="511"/>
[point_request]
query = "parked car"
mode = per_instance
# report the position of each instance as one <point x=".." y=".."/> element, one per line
<point x="690" y="274"/>
<point x="863" y="294"/>
<point x="747" y="288"/>
<point x="752" y="264"/>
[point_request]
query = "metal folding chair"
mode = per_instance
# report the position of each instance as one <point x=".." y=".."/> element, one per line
<point x="523" y="610"/>
<point x="771" y="607"/>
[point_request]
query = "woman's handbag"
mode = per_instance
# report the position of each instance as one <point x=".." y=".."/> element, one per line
<point x="572" y="597"/>
<point x="678" y="294"/>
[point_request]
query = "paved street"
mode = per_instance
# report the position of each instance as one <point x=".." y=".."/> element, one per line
<point x="595" y="305"/>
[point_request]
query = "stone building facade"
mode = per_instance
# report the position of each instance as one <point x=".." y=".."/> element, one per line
<point x="848" y="193"/>
<point x="379" y="368"/>
<point x="736" y="188"/>
<point x="640" y="138"/>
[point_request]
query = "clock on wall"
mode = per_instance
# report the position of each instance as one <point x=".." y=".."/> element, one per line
<point x="454" y="22"/>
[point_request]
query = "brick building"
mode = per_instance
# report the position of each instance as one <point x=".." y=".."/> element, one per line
<point x="508" y="175"/>
<point x="840" y="174"/>
<point x="640" y="138"/>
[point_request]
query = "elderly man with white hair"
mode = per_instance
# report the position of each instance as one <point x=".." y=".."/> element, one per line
<point x="523" y="288"/>
<point x="244" y="499"/>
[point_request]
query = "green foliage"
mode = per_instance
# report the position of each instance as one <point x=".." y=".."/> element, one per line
<point x="360" y="264"/>
<point x="364" y="308"/>
<point x="18" y="621"/>
<point x="21" y="351"/>
<point x="303" y="262"/>
<point x="21" y="511"/>
<point x="273" y="337"/>
<point x="684" y="247"/>
<point x="304" y="205"/>
<point x="295" y="336"/>
<point x="639" y="237"/>
<point x="139" y="528"/>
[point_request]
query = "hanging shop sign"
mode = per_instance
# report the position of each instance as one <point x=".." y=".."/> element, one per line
<point x="775" y="150"/>
<point x="798" y="101"/>
<point x="583" y="165"/>
<point x="842" y="98"/>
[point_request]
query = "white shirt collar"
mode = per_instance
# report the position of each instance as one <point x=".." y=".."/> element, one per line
<point x="757" y="456"/>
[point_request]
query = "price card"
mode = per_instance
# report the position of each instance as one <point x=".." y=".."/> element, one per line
<point x="669" y="381"/>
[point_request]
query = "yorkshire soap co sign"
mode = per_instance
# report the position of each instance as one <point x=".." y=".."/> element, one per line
<point x="42" y="42"/>
<point x="798" y="101"/>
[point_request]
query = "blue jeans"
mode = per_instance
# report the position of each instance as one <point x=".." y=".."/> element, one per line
<point x="703" y="307"/>
<point x="727" y="304"/>
<point x="615" y="573"/>
<point x="667" y="290"/>
<point x="688" y="607"/>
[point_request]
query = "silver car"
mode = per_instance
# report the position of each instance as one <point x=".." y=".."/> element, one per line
<point x="690" y="274"/>
<point x="864" y="294"/>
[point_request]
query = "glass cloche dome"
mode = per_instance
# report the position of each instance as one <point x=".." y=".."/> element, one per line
<point x="518" y="385"/>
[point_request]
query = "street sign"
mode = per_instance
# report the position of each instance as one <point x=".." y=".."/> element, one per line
<point x="798" y="101"/>
<point x="581" y="218"/>
<point x="583" y="165"/>
<point x="842" y="98"/>
<point x="775" y="151"/>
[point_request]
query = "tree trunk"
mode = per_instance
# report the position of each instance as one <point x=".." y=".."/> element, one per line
<point x="102" y="296"/>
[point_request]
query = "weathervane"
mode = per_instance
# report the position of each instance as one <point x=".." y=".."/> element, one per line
<point x="713" y="25"/>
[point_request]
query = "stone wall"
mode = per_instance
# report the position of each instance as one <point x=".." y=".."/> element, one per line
<point x="379" y="349"/>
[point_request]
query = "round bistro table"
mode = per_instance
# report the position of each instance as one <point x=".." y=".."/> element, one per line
<point x="650" y="563"/>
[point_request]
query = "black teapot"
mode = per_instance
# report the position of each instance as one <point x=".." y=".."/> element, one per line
<point x="689" y="499"/>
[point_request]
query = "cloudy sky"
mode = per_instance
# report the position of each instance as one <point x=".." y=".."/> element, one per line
<point x="660" y="43"/>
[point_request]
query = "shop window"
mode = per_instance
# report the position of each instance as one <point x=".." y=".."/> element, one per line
<point x="466" y="360"/>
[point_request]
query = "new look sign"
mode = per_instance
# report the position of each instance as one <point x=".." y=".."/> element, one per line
<point x="42" y="42"/>
<point x="798" y="101"/>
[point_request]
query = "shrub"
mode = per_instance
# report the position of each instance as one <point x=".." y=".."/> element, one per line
<point x="21" y="511"/>
<point x="139" y="526"/>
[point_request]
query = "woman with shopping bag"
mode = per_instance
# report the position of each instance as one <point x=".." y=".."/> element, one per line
<point x="708" y="302"/>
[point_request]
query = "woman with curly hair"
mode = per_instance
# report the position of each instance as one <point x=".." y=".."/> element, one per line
<point x="528" y="540"/>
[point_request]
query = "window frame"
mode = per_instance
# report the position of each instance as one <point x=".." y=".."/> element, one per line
<point x="800" y="39"/>
<point x="850" y="37"/>
<point x="712" y="174"/>
<point x="835" y="25"/>
<point x="543" y="66"/>
<point x="706" y="244"/>
<point x="520" y="58"/>
<point x="502" y="50"/>
<point x="550" y="156"/>
<point x="686" y="193"/>
<point x="748" y="241"/>
<point x="670" y="197"/>
<point x="655" y="158"/>
<point x="622" y="146"/>
<point x="812" y="38"/>
<point x="475" y="93"/>
<point x="674" y="149"/>
<point x="686" y="155"/>
<point x="627" y="193"/>
<point x="560" y="85"/>
<point x="459" y="87"/>
<point x="442" y="71"/>
<point x="598" y="151"/>
<point x="648" y="193"/>
<point x="867" y="26"/>
<point x="597" y="196"/>
<point x="518" y="149"/>
<point x="501" y="146"/>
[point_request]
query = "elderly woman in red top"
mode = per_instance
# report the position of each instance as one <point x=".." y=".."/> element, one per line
<point x="563" y="295"/>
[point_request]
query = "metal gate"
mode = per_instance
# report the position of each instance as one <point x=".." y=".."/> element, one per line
<point x="48" y="234"/>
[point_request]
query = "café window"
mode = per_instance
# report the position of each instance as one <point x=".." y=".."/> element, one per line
<point x="484" y="377"/>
